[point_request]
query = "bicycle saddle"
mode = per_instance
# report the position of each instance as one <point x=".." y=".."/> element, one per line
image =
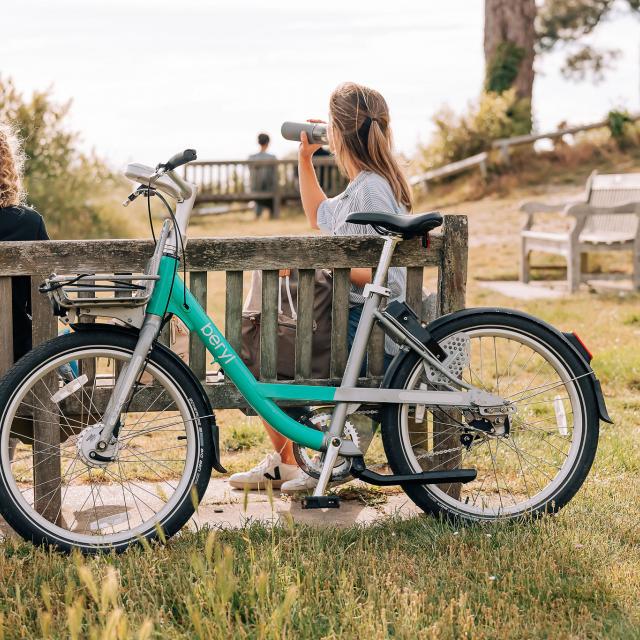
<point x="408" y="226"/>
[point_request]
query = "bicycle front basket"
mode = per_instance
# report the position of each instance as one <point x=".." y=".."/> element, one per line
<point x="99" y="289"/>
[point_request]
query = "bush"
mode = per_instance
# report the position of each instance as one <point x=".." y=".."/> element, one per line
<point x="460" y="136"/>
<point x="624" y="130"/>
<point x="77" y="193"/>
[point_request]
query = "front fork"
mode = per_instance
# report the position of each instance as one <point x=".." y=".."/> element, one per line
<point x="149" y="331"/>
<point x="131" y="371"/>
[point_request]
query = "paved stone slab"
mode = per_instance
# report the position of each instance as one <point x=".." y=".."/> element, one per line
<point x="225" y="507"/>
<point x="526" y="291"/>
<point x="230" y="508"/>
<point x="611" y="286"/>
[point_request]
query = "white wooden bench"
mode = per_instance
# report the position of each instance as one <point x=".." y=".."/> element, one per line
<point x="606" y="218"/>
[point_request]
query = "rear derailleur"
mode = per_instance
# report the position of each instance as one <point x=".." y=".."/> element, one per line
<point x="478" y="426"/>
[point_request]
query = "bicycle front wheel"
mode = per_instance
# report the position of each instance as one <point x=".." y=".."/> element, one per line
<point x="53" y="492"/>
<point x="534" y="462"/>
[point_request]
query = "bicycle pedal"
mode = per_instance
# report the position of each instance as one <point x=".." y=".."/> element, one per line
<point x="321" y="502"/>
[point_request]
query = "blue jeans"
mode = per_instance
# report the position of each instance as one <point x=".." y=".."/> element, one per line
<point x="354" y="318"/>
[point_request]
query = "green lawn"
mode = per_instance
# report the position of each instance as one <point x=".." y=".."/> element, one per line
<point x="572" y="576"/>
<point x="576" y="575"/>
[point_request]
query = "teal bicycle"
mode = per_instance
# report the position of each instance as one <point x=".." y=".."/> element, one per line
<point x="107" y="437"/>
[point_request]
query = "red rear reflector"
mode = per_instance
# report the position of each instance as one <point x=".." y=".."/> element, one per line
<point x="584" y="346"/>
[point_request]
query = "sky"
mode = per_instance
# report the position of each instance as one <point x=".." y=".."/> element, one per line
<point x="150" y="77"/>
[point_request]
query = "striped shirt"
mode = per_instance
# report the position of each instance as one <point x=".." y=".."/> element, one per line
<point x="368" y="192"/>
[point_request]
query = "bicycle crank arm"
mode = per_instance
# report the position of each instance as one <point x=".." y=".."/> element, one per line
<point x="359" y="470"/>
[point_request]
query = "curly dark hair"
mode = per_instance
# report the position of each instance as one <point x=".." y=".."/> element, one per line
<point x="11" y="164"/>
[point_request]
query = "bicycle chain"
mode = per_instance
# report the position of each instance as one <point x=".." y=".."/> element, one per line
<point x="428" y="454"/>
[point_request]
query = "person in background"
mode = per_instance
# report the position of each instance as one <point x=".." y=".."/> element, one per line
<point x="17" y="222"/>
<point x="263" y="178"/>
<point x="360" y="137"/>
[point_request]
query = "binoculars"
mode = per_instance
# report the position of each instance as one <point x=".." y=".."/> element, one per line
<point x="316" y="131"/>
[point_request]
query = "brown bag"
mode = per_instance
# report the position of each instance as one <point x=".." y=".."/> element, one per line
<point x="287" y="314"/>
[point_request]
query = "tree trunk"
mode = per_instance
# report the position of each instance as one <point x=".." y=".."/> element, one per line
<point x="509" y="38"/>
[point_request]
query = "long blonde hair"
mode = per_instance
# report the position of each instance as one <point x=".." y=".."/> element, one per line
<point x="11" y="164"/>
<point x="361" y="133"/>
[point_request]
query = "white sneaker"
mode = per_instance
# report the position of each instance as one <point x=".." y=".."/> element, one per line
<point x="271" y="469"/>
<point x="304" y="482"/>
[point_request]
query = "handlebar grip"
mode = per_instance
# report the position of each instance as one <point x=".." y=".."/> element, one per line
<point x="188" y="155"/>
<point x="316" y="131"/>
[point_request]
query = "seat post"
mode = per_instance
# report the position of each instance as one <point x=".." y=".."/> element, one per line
<point x="384" y="263"/>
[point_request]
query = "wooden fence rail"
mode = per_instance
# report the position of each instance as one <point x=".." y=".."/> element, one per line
<point x="453" y="168"/>
<point x="504" y="144"/>
<point x="447" y="254"/>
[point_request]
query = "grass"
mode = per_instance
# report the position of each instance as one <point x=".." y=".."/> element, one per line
<point x="573" y="576"/>
<point x="576" y="575"/>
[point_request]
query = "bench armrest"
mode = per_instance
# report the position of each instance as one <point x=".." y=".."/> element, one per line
<point x="532" y="207"/>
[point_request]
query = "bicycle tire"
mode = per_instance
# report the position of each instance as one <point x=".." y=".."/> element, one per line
<point x="201" y="423"/>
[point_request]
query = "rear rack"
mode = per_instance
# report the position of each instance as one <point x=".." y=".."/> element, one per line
<point x="99" y="289"/>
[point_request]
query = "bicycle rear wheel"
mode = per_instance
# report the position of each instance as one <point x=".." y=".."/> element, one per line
<point x="532" y="464"/>
<point x="53" y="492"/>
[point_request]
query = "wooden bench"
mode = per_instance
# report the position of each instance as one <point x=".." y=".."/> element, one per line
<point x="230" y="181"/>
<point x="447" y="254"/>
<point x="606" y="218"/>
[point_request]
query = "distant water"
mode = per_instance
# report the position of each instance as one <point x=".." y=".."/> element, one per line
<point x="149" y="77"/>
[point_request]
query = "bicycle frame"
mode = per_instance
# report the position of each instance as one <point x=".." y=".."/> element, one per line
<point x="441" y="352"/>
<point x="170" y="295"/>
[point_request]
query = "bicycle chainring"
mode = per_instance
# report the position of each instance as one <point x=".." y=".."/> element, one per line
<point x="311" y="461"/>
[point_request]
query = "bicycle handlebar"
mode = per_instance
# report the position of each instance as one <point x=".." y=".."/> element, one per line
<point x="163" y="177"/>
<point x="188" y="155"/>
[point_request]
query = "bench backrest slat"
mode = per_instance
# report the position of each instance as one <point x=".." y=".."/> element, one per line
<point x="611" y="190"/>
<point x="339" y="321"/>
<point x="304" y="324"/>
<point x="197" y="353"/>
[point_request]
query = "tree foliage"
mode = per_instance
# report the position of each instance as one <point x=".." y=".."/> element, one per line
<point x="566" y="23"/>
<point x="76" y="192"/>
<point x="624" y="130"/>
<point x="502" y="68"/>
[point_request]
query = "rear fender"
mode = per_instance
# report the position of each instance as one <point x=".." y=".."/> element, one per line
<point x="179" y="363"/>
<point x="568" y="338"/>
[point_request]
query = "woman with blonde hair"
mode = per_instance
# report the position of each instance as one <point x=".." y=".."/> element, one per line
<point x="360" y="137"/>
<point x="17" y="222"/>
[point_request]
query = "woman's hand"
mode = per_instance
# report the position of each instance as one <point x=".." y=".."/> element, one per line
<point x="307" y="149"/>
<point x="310" y="191"/>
